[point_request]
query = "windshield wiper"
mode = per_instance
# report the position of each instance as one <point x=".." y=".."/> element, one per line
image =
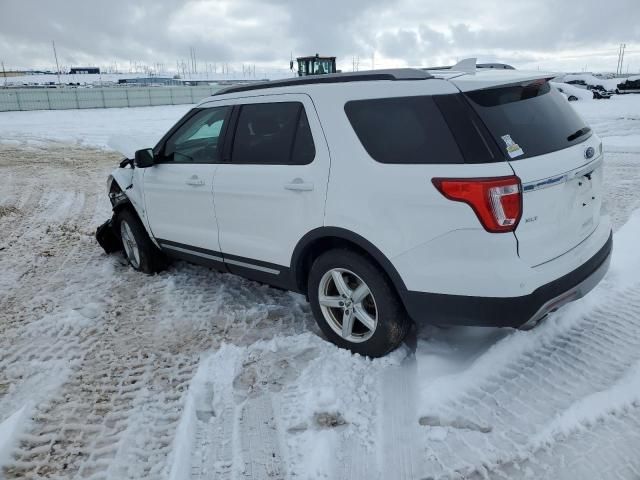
<point x="579" y="133"/>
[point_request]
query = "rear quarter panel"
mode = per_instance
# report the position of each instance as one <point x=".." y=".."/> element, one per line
<point x="395" y="206"/>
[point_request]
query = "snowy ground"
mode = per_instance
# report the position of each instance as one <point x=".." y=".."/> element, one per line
<point x="105" y="373"/>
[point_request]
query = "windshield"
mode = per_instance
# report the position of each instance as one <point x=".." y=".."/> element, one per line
<point x="529" y="119"/>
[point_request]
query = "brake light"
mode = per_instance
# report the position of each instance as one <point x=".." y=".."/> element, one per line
<point x="497" y="201"/>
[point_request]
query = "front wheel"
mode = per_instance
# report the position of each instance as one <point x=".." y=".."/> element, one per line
<point x="355" y="304"/>
<point x="139" y="250"/>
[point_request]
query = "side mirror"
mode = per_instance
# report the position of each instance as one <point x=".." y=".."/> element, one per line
<point x="144" y="158"/>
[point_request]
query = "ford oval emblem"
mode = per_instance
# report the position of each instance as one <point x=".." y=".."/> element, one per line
<point x="589" y="152"/>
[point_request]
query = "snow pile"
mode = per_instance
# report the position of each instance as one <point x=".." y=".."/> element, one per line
<point x="318" y="393"/>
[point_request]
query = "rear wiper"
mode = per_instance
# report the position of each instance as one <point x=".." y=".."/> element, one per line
<point x="579" y="133"/>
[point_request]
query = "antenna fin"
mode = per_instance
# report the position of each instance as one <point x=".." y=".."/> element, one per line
<point x="468" y="65"/>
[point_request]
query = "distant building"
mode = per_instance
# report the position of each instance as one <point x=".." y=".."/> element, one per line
<point x="149" y="81"/>
<point x="84" y="70"/>
<point x="11" y="73"/>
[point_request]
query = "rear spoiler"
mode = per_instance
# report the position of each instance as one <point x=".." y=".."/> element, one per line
<point x="467" y="83"/>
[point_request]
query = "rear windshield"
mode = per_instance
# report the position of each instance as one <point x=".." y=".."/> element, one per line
<point x="529" y="119"/>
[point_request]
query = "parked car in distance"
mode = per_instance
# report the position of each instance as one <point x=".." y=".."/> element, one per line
<point x="572" y="97"/>
<point x="386" y="197"/>
<point x="578" y="83"/>
<point x="573" y="93"/>
<point x="629" y="85"/>
<point x="599" y="92"/>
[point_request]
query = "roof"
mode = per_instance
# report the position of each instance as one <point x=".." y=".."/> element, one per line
<point x="464" y="75"/>
<point x="396" y="74"/>
<point x="313" y="57"/>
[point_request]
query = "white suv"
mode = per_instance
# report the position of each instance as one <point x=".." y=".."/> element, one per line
<point x="385" y="197"/>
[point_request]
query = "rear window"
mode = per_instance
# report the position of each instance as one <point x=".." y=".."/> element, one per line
<point x="403" y="130"/>
<point x="529" y="119"/>
<point x="273" y="134"/>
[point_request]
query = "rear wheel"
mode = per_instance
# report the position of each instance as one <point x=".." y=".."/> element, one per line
<point x="139" y="250"/>
<point x="355" y="305"/>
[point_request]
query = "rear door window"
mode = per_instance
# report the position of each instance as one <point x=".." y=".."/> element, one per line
<point x="403" y="130"/>
<point x="529" y="119"/>
<point x="273" y="134"/>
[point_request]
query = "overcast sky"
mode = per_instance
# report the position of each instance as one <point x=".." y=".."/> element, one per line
<point x="546" y="34"/>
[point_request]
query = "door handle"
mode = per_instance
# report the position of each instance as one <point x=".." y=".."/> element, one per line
<point x="299" y="185"/>
<point x="195" y="181"/>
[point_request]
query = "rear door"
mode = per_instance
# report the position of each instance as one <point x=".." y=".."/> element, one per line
<point x="272" y="190"/>
<point x="557" y="158"/>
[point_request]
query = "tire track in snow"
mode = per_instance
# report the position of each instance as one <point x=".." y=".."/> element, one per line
<point x="606" y="448"/>
<point x="524" y="394"/>
<point x="120" y="387"/>
<point x="398" y="415"/>
<point x="49" y="222"/>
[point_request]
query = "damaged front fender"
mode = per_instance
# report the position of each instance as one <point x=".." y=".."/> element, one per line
<point x="124" y="187"/>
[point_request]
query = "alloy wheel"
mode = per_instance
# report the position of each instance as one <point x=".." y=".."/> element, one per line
<point x="130" y="244"/>
<point x="348" y="305"/>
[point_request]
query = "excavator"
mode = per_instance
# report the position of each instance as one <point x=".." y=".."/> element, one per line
<point x="315" y="65"/>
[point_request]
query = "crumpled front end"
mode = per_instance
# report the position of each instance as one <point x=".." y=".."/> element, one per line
<point x="108" y="238"/>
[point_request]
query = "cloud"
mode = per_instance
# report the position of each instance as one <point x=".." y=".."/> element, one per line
<point x="266" y="32"/>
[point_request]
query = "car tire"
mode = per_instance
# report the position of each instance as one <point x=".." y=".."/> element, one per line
<point x="139" y="250"/>
<point x="347" y="286"/>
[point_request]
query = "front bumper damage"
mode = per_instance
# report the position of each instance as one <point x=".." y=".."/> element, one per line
<point x="107" y="237"/>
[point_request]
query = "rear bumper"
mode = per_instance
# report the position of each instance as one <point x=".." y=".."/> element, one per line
<point x="517" y="312"/>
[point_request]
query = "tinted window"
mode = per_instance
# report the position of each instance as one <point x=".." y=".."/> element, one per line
<point x="403" y="130"/>
<point x="473" y="138"/>
<point x="273" y="134"/>
<point x="196" y="141"/>
<point x="304" y="150"/>
<point x="530" y="119"/>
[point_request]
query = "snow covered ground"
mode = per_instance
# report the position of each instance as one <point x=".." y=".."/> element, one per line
<point x="106" y="373"/>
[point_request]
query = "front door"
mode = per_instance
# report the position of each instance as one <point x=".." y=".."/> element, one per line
<point x="179" y="187"/>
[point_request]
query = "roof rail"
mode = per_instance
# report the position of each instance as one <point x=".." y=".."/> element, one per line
<point x="497" y="66"/>
<point x="364" y="76"/>
<point x="460" y="66"/>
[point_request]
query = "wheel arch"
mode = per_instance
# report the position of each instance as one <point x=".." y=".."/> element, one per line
<point x="321" y="239"/>
<point x="120" y="200"/>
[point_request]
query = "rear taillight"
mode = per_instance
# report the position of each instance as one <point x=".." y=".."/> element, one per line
<point x="497" y="201"/>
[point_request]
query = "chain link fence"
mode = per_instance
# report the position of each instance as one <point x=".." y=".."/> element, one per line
<point x="101" y="97"/>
